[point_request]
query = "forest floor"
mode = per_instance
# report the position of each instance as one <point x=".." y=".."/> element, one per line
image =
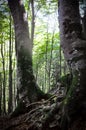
<point x="22" y="123"/>
<point x="45" y="114"/>
<point x="42" y="115"/>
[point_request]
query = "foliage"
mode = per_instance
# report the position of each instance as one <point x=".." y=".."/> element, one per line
<point x="46" y="49"/>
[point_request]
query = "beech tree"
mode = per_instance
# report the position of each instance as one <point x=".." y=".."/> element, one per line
<point x="73" y="44"/>
<point x="27" y="87"/>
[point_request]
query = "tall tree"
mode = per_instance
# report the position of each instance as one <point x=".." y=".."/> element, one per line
<point x="27" y="87"/>
<point x="74" y="48"/>
<point x="32" y="22"/>
<point x="4" y="76"/>
<point x="10" y="101"/>
<point x="0" y="93"/>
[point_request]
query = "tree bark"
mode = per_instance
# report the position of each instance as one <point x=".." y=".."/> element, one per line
<point x="10" y="98"/>
<point x="4" y="77"/>
<point x="27" y="87"/>
<point x="32" y="22"/>
<point x="0" y="93"/>
<point x="74" y="48"/>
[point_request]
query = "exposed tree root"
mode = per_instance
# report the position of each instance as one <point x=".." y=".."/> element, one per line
<point x="43" y="115"/>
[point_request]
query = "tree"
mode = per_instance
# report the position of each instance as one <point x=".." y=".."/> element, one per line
<point x="0" y="93"/>
<point x="10" y="102"/>
<point x="27" y="87"/>
<point x="73" y="44"/>
<point x="4" y="76"/>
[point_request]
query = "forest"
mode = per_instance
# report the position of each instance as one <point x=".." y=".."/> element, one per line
<point x="42" y="64"/>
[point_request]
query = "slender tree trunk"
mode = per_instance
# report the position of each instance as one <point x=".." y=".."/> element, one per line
<point x="32" y="22"/>
<point x="46" y="61"/>
<point x="0" y="93"/>
<point x="4" y="77"/>
<point x="49" y="74"/>
<point x="14" y="83"/>
<point x="10" y="101"/>
<point x="74" y="48"/>
<point x="37" y="69"/>
<point x="60" y="56"/>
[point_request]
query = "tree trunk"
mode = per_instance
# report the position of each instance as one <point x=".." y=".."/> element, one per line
<point x="0" y="93"/>
<point x="60" y="58"/>
<point x="10" y="101"/>
<point x="4" y="77"/>
<point x="50" y="61"/>
<point x="46" y="61"/>
<point x="74" y="48"/>
<point x="27" y="87"/>
<point x="32" y="22"/>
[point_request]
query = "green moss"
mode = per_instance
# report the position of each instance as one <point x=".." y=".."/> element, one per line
<point x="66" y="80"/>
<point x="72" y="87"/>
<point x="20" y="109"/>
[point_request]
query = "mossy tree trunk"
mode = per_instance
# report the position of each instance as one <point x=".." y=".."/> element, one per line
<point x="27" y="87"/>
<point x="74" y="48"/>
